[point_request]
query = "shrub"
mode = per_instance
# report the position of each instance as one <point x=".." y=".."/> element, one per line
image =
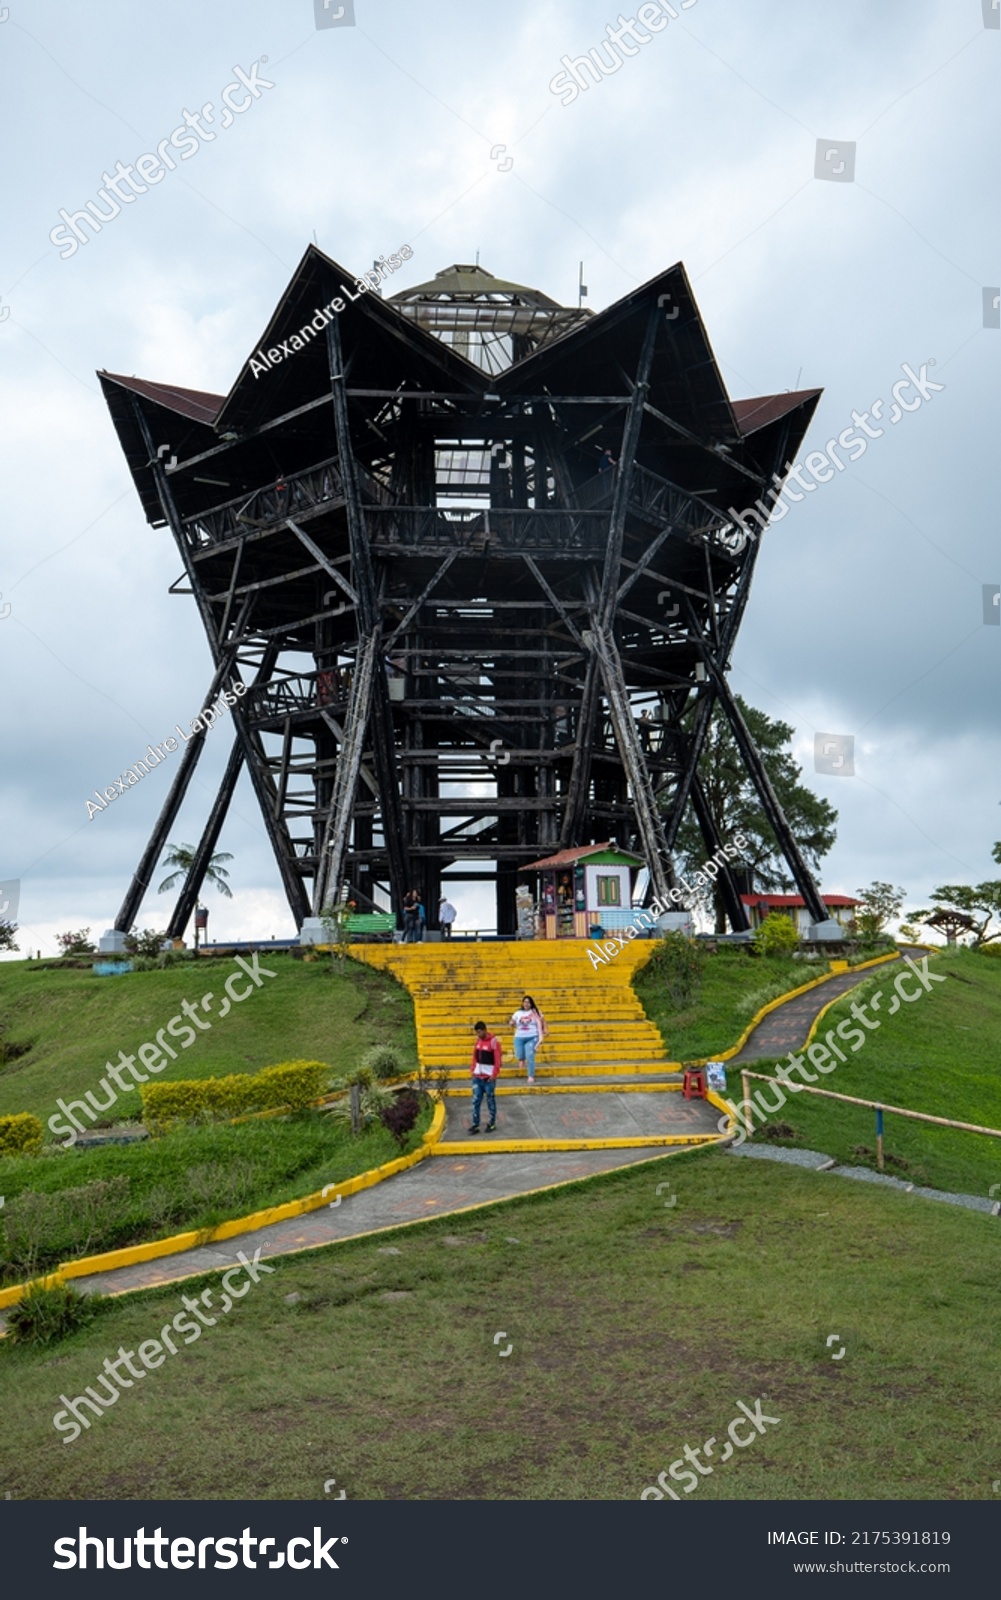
<point x="146" y="943"/>
<point x="374" y="1099"/>
<point x="751" y="1003"/>
<point x="290" y="1086"/>
<point x="43" y="1315"/>
<point x="75" y="944"/>
<point x="7" y="932"/>
<point x="362" y="1075"/>
<point x="400" y="1116"/>
<point x="384" y="1061"/>
<point x="679" y="963"/>
<point x="20" y="1135"/>
<point x="48" y="1226"/>
<point x="777" y="936"/>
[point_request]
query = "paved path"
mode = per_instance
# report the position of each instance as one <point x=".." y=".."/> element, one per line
<point x="786" y="1028"/>
<point x="439" y="1186"/>
<point x="816" y="1161"/>
<point x="632" y="1115"/>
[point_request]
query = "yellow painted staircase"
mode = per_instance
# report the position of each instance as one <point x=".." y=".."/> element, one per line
<point x="596" y="1025"/>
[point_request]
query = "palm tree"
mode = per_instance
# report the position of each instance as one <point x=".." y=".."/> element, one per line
<point x="182" y="857"/>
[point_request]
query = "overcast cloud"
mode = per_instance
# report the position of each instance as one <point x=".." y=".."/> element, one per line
<point x="866" y="613"/>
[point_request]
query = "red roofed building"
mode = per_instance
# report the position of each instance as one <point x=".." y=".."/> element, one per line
<point x="841" y="908"/>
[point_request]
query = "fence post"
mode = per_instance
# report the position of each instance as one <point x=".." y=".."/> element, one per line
<point x="879" y="1137"/>
<point x="745" y="1091"/>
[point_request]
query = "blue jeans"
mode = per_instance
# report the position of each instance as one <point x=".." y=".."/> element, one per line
<point x="481" y="1087"/>
<point x="524" y="1050"/>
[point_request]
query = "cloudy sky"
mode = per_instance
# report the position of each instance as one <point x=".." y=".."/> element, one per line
<point x="866" y="617"/>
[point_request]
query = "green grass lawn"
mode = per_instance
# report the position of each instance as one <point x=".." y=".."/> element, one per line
<point x="635" y="1329"/>
<point x="940" y="1055"/>
<point x="192" y="1178"/>
<point x="75" y="1022"/>
<point x="736" y="983"/>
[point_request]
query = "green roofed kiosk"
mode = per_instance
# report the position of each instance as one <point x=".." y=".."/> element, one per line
<point x="585" y="888"/>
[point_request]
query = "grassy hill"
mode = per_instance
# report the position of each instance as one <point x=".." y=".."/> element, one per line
<point x="940" y="1055"/>
<point x="735" y="984"/>
<point x="75" y="1022"/>
<point x="636" y="1330"/>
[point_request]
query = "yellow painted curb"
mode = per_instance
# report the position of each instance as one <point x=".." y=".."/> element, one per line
<point x="572" y="1088"/>
<point x="461" y="1074"/>
<point x="466" y="1147"/>
<point x="179" y="1242"/>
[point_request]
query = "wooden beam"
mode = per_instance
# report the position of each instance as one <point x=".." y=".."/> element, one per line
<point x="424" y="595"/>
<point x="143" y="874"/>
<point x="318" y="555"/>
<point x="191" y="888"/>
<point x="252" y="749"/>
<point x="369" y="622"/>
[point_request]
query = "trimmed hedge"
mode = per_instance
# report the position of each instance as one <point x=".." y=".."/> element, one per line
<point x="290" y="1086"/>
<point x="20" y="1135"/>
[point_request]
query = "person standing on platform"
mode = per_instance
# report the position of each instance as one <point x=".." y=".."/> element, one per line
<point x="529" y="1031"/>
<point x="446" y="916"/>
<point x="485" y="1068"/>
<point x="411" y="917"/>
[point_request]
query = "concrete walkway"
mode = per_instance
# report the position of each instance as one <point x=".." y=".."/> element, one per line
<point x="438" y="1187"/>
<point x="816" y="1161"/>
<point x="538" y="1115"/>
<point x="786" y="1028"/>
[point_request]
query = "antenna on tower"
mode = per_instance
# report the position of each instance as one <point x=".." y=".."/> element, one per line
<point x="581" y="287"/>
<point x="477" y="258"/>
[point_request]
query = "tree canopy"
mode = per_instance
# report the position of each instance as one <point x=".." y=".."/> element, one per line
<point x="182" y="857"/>
<point x="964" y="908"/>
<point x="735" y="807"/>
<point x="878" y="905"/>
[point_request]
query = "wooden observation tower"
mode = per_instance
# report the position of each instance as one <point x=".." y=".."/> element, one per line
<point x="454" y="544"/>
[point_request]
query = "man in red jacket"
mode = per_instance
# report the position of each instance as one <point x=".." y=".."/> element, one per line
<point x="485" y="1069"/>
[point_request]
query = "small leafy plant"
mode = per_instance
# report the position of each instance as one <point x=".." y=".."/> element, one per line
<point x="384" y="1061"/>
<point x="679" y="962"/>
<point x="44" y="1315"/>
<point x="777" y="936"/>
<point x="147" y="943"/>
<point x="401" y="1116"/>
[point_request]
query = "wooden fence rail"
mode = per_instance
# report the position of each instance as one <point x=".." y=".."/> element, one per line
<point x="878" y="1106"/>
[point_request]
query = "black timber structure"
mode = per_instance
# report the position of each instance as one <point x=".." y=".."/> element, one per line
<point x="448" y="615"/>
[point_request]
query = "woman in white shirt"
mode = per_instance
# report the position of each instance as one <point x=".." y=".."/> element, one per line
<point x="529" y="1031"/>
